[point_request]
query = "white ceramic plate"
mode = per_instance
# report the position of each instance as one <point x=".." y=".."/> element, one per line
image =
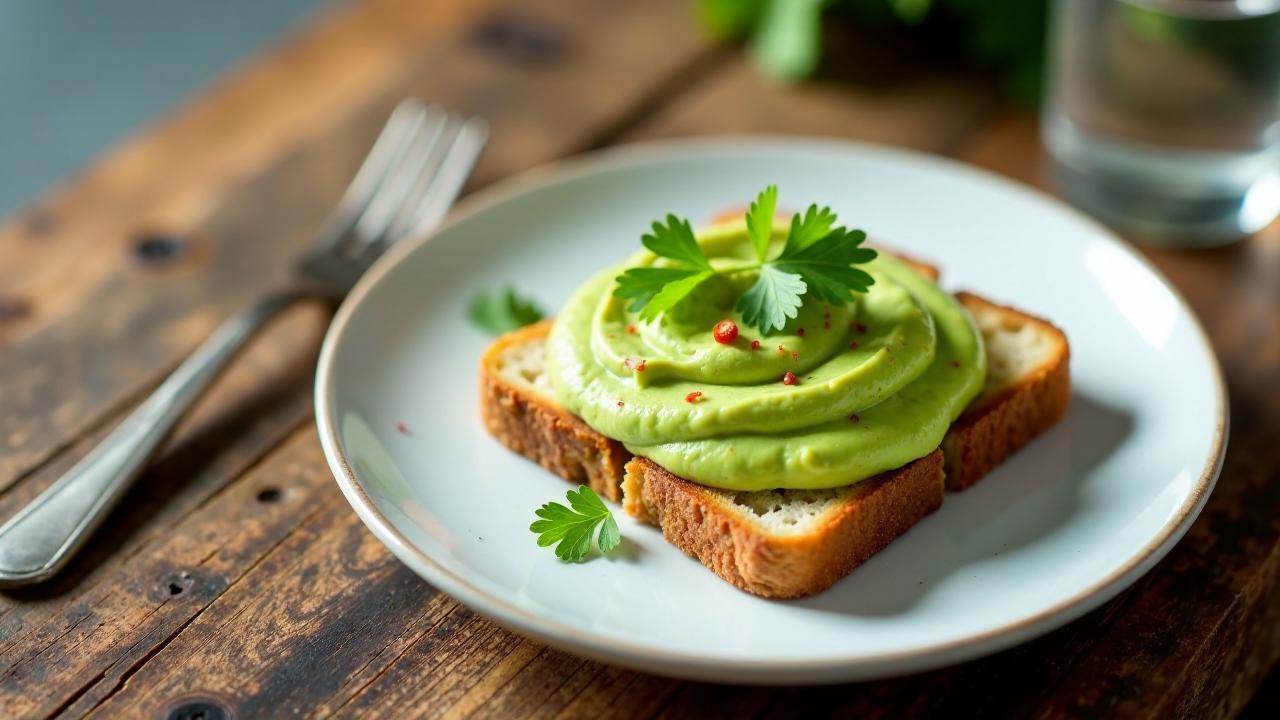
<point x="1065" y="525"/>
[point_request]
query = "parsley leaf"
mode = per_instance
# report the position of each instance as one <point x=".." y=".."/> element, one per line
<point x="774" y="298"/>
<point x="675" y="241"/>
<point x="826" y="265"/>
<point x="653" y="291"/>
<point x="570" y="528"/>
<point x="816" y="259"/>
<point x="760" y="220"/>
<point x="503" y="311"/>
<point x="812" y="227"/>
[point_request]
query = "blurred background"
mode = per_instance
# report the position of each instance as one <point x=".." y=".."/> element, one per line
<point x="77" y="76"/>
<point x="1161" y="116"/>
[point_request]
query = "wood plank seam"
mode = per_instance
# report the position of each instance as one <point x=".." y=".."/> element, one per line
<point x="123" y="678"/>
<point x="78" y="693"/>
<point x="101" y="675"/>
<point x="123" y="682"/>
<point x="405" y="651"/>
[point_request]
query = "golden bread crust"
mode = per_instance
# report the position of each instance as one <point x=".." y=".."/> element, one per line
<point x="542" y="431"/>
<point x="708" y="525"/>
<point x="1000" y="422"/>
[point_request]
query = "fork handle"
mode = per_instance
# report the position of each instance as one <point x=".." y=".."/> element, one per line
<point x="43" y="536"/>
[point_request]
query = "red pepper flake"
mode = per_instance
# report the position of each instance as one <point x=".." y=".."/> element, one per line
<point x="620" y="403"/>
<point x="755" y="344"/>
<point x="862" y="329"/>
<point x="636" y="365"/>
<point x="789" y="378"/>
<point x="855" y="419"/>
<point x="725" y="332"/>
<point x="693" y="397"/>
<point x="402" y="429"/>
<point x="955" y="363"/>
<point x="640" y="366"/>
<point x="782" y="350"/>
<point x="800" y="332"/>
<point x="853" y="345"/>
<point x="795" y="356"/>
<point x="631" y="329"/>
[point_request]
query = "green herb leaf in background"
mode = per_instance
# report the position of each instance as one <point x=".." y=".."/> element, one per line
<point x="571" y="528"/>
<point x="911" y="11"/>
<point x="786" y="39"/>
<point x="502" y="311"/>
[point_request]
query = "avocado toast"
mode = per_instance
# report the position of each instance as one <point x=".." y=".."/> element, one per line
<point x="780" y="513"/>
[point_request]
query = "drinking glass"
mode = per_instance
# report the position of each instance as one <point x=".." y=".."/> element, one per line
<point x="1163" y="116"/>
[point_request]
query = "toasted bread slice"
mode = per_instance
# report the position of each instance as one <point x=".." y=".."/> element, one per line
<point x="519" y="408"/>
<point x="1027" y="391"/>
<point x="786" y="543"/>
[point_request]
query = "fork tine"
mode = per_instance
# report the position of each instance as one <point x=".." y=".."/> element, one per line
<point x="432" y="203"/>
<point x="391" y="194"/>
<point x="407" y="209"/>
<point x="390" y="144"/>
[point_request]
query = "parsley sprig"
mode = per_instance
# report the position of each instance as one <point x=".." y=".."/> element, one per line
<point x="502" y="311"/>
<point x="817" y="259"/>
<point x="571" y="528"/>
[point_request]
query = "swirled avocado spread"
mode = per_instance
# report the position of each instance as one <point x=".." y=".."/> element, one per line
<point x="843" y="391"/>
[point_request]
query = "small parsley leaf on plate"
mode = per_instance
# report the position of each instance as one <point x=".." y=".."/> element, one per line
<point x="502" y="311"/>
<point x="571" y="528"/>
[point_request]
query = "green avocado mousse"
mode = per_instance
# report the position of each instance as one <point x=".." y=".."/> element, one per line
<point x="766" y="355"/>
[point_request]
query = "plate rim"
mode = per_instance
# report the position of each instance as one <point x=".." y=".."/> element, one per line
<point x="832" y="668"/>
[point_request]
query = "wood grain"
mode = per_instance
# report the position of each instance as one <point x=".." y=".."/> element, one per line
<point x="146" y="316"/>
<point x="135" y="320"/>
<point x="237" y="575"/>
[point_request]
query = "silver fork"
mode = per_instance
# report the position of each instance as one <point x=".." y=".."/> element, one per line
<point x="405" y="186"/>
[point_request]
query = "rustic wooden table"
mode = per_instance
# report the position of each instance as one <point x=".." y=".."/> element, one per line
<point x="237" y="576"/>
